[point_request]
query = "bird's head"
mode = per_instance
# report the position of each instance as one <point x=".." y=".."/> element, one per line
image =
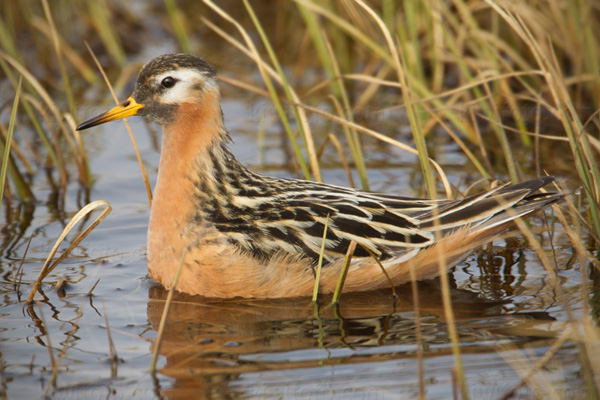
<point x="163" y="86"/>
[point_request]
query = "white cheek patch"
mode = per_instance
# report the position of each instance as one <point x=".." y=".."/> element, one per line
<point x="187" y="83"/>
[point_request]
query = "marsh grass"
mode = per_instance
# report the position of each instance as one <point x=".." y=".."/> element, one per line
<point x="81" y="215"/>
<point x="131" y="136"/>
<point x="487" y="79"/>
<point x="303" y="127"/>
<point x="8" y="141"/>
<point x="114" y="356"/>
<point x="467" y="71"/>
<point x="268" y="73"/>
<point x="179" y="25"/>
<point x="320" y="263"/>
<point x="18" y="278"/>
<point x="337" y="294"/>
<point x="339" y="96"/>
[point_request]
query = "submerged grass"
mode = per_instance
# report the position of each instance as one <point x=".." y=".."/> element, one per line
<point x="114" y="357"/>
<point x="164" y="316"/>
<point x="53" y="363"/>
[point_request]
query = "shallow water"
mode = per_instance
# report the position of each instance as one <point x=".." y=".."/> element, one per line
<point x="505" y="307"/>
<point x="507" y="313"/>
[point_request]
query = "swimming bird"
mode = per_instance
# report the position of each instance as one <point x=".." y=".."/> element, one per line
<point x="249" y="235"/>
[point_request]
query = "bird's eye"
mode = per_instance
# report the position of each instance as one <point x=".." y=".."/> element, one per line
<point x="168" y="82"/>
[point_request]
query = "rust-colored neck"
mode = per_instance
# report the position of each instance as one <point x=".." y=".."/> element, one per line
<point x="186" y="141"/>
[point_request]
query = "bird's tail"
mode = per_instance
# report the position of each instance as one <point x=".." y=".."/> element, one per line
<point x="492" y="208"/>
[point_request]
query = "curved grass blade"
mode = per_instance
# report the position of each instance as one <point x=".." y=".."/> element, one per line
<point x="47" y="268"/>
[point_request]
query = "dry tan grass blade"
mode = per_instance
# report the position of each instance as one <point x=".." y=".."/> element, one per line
<point x="47" y="268"/>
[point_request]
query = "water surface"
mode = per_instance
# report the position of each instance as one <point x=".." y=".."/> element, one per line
<point x="508" y="314"/>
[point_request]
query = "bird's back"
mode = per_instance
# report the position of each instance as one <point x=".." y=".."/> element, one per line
<point x="267" y="216"/>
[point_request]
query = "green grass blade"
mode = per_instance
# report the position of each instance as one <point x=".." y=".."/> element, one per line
<point x="178" y="24"/>
<point x="37" y="126"/>
<point x="320" y="264"/>
<point x="100" y="18"/>
<point x="399" y="62"/>
<point x="332" y="70"/>
<point x="11" y="128"/>
<point x="266" y="72"/>
<point x="342" y="278"/>
<point x="61" y="63"/>
<point x="286" y="87"/>
<point x="7" y="41"/>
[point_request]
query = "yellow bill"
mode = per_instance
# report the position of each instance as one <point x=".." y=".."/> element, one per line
<point x="126" y="109"/>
